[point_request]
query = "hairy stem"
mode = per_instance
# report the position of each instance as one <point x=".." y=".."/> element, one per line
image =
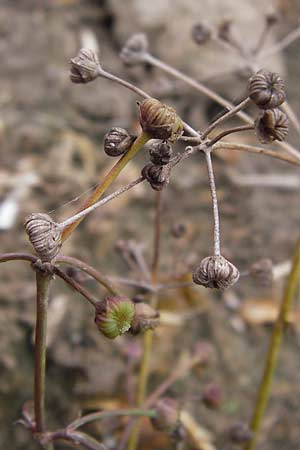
<point x="108" y="180"/>
<point x="215" y="208"/>
<point x="102" y="279"/>
<point x="42" y="297"/>
<point x="230" y="131"/>
<point x="258" y="150"/>
<point x="226" y="116"/>
<point x="274" y="347"/>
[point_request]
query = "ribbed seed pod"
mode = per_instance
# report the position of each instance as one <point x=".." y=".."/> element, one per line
<point x="114" y="316"/>
<point x="84" y="67"/>
<point x="215" y="272"/>
<point x="117" y="141"/>
<point x="44" y="234"/>
<point x="157" y="176"/>
<point x="272" y="125"/>
<point x="145" y="318"/>
<point x="266" y="89"/>
<point x="160" y="121"/>
<point x="134" y="49"/>
<point x="160" y="153"/>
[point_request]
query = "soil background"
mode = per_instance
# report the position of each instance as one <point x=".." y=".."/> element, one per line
<point x="51" y="135"/>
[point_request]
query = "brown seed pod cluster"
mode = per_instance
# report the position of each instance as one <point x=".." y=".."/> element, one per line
<point x="271" y="125"/>
<point x="85" y="66"/>
<point x="117" y="141"/>
<point x="157" y="176"/>
<point x="44" y="235"/>
<point x="160" y="121"/>
<point x="266" y="89"/>
<point x="216" y="272"/>
<point x="160" y="153"/>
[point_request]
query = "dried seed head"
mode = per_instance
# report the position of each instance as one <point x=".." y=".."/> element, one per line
<point x="157" y="176"/>
<point x="266" y="89"/>
<point x="160" y="153"/>
<point x="85" y="66"/>
<point x="212" y="396"/>
<point x="272" y="125"/>
<point x="114" y="316"/>
<point x="134" y="49"/>
<point x="262" y="270"/>
<point x="201" y="33"/>
<point x="224" y="30"/>
<point x="117" y="141"/>
<point x="167" y="415"/>
<point x="216" y="272"/>
<point x="160" y="121"/>
<point x="240" y="433"/>
<point x="178" y="230"/>
<point x="145" y="318"/>
<point x="44" y="234"/>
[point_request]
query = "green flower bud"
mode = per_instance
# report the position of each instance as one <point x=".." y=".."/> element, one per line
<point x="114" y="316"/>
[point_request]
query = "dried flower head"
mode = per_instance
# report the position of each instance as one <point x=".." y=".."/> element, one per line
<point x="85" y="66"/>
<point x="216" y="272"/>
<point x="201" y="33"/>
<point x="44" y="234"/>
<point x="134" y="49"/>
<point x="157" y="176"/>
<point x="167" y="415"/>
<point x="272" y="125"/>
<point x="114" y="316"/>
<point x="145" y="318"/>
<point x="159" y="120"/>
<point x="266" y="89"/>
<point x="117" y="141"/>
<point x="160" y="153"/>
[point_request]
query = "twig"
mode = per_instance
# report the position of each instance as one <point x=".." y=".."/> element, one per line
<point x="102" y="279"/>
<point x="252" y="149"/>
<point x="217" y="249"/>
<point x="275" y="344"/>
<point x="230" y="131"/>
<point x="5" y="257"/>
<point x="75" y="285"/>
<point x="285" y="42"/>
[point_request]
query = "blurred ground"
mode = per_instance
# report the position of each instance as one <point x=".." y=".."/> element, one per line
<point x="51" y="151"/>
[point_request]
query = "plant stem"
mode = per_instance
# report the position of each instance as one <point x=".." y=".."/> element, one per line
<point x="108" y="180"/>
<point x="230" y="131"/>
<point x="252" y="149"/>
<point x="274" y="347"/>
<point x="77" y="286"/>
<point x="226" y="116"/>
<point x="42" y="297"/>
<point x="5" y="257"/>
<point x="279" y="46"/>
<point x="148" y="335"/>
<point x="98" y="276"/>
<point x="215" y="208"/>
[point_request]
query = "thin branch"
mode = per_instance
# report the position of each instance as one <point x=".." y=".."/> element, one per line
<point x="226" y="116"/>
<point x="98" y="276"/>
<point x="157" y="236"/>
<point x="6" y="257"/>
<point x="252" y="149"/>
<point x="75" y="285"/>
<point x="230" y="131"/>
<point x="217" y="249"/>
<point x="274" y="348"/>
<point x="285" y="42"/>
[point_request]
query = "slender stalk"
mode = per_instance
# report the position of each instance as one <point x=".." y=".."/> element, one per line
<point x="98" y="276"/>
<point x="274" y="347"/>
<point x="252" y="149"/>
<point x="230" y="131"/>
<point x="108" y="180"/>
<point x="215" y="208"/>
<point x="76" y="438"/>
<point x="285" y="42"/>
<point x="137" y="412"/>
<point x="102" y="202"/>
<point x="42" y="297"/>
<point x="5" y="257"/>
<point x="226" y="116"/>
<point x="77" y="286"/>
<point x="148" y="336"/>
